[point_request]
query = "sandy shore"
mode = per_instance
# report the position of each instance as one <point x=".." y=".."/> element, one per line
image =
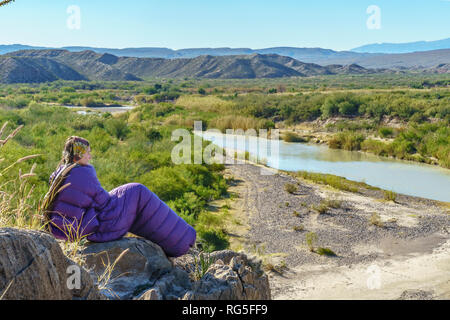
<point x="405" y="255"/>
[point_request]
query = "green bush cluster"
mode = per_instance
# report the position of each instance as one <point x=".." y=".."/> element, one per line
<point x="417" y="142"/>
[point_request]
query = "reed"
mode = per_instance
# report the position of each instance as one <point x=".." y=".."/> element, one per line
<point x="17" y="208"/>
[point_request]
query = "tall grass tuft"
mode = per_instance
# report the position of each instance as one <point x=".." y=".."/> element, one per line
<point x="202" y="262"/>
<point x="105" y="278"/>
<point x="17" y="208"/>
<point x="290" y="188"/>
<point x="311" y="239"/>
<point x="390" y="195"/>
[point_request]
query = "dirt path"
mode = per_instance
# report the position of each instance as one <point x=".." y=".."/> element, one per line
<point x="406" y="256"/>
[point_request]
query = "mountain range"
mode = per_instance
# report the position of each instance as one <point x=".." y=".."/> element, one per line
<point x="404" y="55"/>
<point x="35" y="66"/>
<point x="404" y="47"/>
<point x="51" y="65"/>
<point x="310" y="55"/>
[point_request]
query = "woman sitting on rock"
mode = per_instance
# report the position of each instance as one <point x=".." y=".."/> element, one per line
<point x="78" y="206"/>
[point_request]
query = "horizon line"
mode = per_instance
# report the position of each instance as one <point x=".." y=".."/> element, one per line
<point x="220" y="47"/>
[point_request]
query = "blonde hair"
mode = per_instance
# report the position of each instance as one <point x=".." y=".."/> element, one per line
<point x="74" y="149"/>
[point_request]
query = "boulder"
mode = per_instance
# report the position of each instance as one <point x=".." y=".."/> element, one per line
<point x="132" y="266"/>
<point x="231" y="276"/>
<point x="416" y="295"/>
<point x="33" y="267"/>
<point x="142" y="271"/>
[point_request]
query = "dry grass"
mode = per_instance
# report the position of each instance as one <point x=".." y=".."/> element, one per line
<point x="179" y="120"/>
<point x="290" y="188"/>
<point x="322" y="208"/>
<point x="375" y="220"/>
<point x="276" y="268"/>
<point x="2" y="294"/>
<point x="237" y="122"/>
<point x="105" y="278"/>
<point x="16" y="206"/>
<point x="208" y="103"/>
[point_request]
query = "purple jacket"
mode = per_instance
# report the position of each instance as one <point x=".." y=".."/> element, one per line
<point x="86" y="209"/>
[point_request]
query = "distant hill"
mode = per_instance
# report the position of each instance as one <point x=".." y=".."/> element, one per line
<point x="16" y="47"/>
<point x="318" y="56"/>
<point x="35" y="70"/>
<point x="404" y="47"/>
<point x="442" y="68"/>
<point x="310" y="55"/>
<point x="50" y="65"/>
<point x="414" y="60"/>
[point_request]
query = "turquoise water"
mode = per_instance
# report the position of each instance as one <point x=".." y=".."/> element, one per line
<point x="400" y="176"/>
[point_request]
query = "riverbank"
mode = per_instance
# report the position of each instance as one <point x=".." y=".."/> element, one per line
<point x="319" y="132"/>
<point x="383" y="248"/>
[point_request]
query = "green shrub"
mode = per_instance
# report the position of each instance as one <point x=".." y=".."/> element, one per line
<point x="390" y="195"/>
<point x="67" y="89"/>
<point x="292" y="137"/>
<point x="213" y="240"/>
<point x="332" y="203"/>
<point x="117" y="128"/>
<point x="346" y="140"/>
<point x="311" y="239"/>
<point x="386" y="132"/>
<point x="322" y="208"/>
<point x="202" y="262"/>
<point x="290" y="188"/>
<point x="340" y="103"/>
<point x="90" y="102"/>
<point x="325" y="251"/>
<point x="375" y="146"/>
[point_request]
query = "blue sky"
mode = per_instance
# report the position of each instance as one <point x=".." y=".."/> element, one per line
<point x="176" y="24"/>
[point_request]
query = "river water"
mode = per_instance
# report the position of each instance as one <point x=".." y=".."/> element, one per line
<point x="400" y="176"/>
<point x="111" y="109"/>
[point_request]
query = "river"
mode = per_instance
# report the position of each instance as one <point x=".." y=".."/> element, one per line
<point x="400" y="176"/>
<point x="111" y="109"/>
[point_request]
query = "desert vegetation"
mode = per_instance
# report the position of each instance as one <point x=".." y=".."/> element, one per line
<point x="404" y="116"/>
<point x="126" y="148"/>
